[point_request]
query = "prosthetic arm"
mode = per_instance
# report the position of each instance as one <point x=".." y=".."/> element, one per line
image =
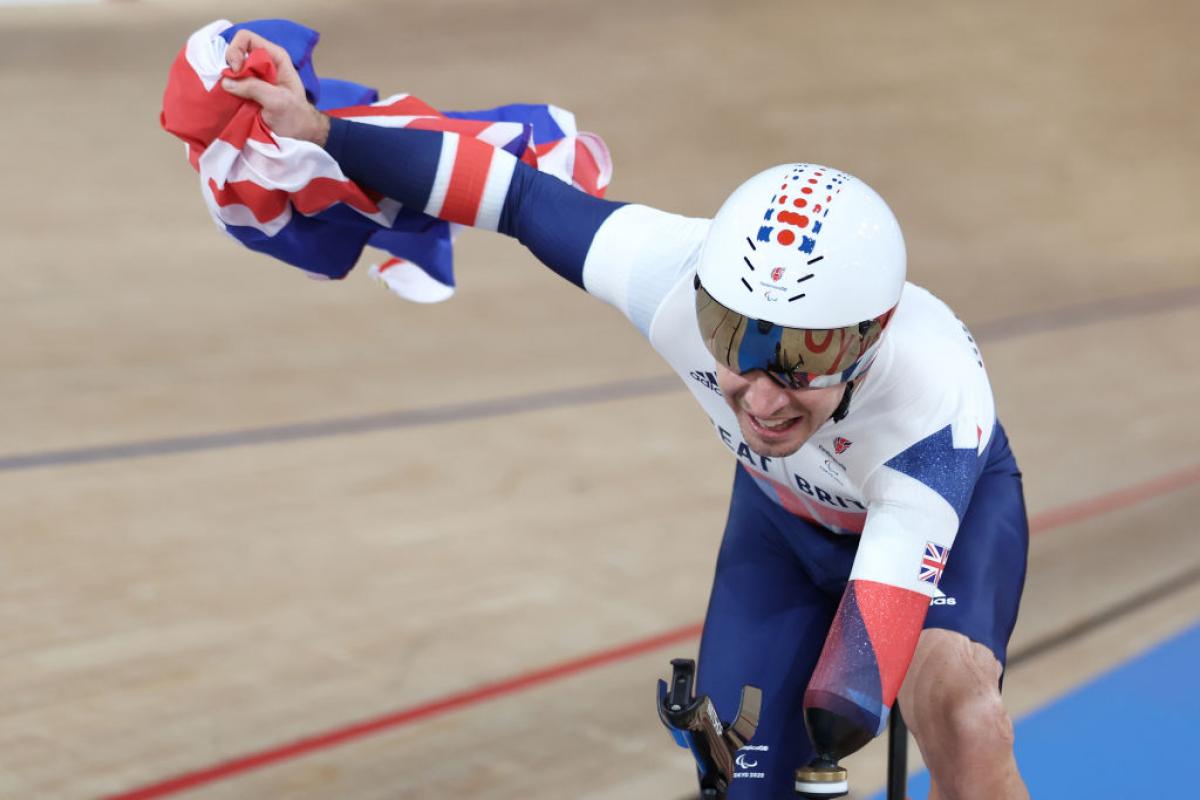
<point x="862" y="665"/>
<point x="874" y="634"/>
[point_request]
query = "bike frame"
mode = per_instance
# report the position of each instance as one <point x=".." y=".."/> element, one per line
<point x="897" y="765"/>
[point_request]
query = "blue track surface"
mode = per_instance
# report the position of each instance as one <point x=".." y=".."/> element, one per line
<point x="1129" y="733"/>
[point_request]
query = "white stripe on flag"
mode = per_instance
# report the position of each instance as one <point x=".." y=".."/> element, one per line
<point x="564" y="119"/>
<point x="559" y="160"/>
<point x="206" y="52"/>
<point x="500" y="134"/>
<point x="441" y="180"/>
<point x="391" y="98"/>
<point x="386" y="122"/>
<point x="242" y="217"/>
<point x="599" y="150"/>
<point x="289" y="164"/>
<point x="495" y="189"/>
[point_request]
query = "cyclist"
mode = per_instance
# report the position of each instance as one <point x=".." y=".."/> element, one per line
<point x="857" y="407"/>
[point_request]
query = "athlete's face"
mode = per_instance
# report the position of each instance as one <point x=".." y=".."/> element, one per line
<point x="776" y="421"/>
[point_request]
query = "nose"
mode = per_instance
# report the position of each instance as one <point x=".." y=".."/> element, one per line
<point x="764" y="397"/>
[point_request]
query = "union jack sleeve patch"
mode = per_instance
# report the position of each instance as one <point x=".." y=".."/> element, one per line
<point x="932" y="563"/>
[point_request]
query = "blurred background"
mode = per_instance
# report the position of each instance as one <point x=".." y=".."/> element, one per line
<point x="272" y="537"/>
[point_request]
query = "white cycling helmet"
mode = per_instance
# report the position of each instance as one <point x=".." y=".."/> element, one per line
<point x="799" y="276"/>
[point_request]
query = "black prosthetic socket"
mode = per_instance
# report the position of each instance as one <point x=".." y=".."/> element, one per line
<point x="833" y="736"/>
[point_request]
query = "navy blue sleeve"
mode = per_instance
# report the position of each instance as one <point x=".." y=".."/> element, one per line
<point x="556" y="221"/>
<point x="397" y="162"/>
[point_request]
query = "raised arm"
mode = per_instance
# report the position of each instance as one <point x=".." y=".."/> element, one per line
<point x="630" y="256"/>
<point x="461" y="179"/>
<point x="445" y="175"/>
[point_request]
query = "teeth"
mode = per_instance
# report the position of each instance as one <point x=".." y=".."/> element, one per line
<point x="778" y="423"/>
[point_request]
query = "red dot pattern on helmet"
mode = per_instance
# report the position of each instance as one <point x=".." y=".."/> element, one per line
<point x="787" y="228"/>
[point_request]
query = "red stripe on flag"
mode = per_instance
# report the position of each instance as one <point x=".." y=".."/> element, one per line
<point x="247" y="122"/>
<point x="187" y="110"/>
<point x="404" y="107"/>
<point x="321" y="193"/>
<point x="587" y="171"/>
<point x="264" y="204"/>
<point x="467" y="127"/>
<point x="267" y="204"/>
<point x="467" y="178"/>
<point x="199" y="116"/>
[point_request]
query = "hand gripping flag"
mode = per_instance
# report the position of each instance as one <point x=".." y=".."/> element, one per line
<point x="288" y="198"/>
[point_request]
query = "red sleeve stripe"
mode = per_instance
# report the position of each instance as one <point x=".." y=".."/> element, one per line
<point x="468" y="177"/>
<point x="467" y="180"/>
<point x="893" y="618"/>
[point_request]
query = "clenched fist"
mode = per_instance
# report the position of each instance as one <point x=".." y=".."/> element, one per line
<point x="285" y="108"/>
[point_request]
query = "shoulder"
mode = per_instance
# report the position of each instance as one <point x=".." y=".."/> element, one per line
<point x="926" y="408"/>
<point x="643" y="234"/>
<point x="638" y="255"/>
<point x="930" y="369"/>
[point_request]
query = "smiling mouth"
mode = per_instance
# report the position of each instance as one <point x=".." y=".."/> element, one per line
<point x="772" y="427"/>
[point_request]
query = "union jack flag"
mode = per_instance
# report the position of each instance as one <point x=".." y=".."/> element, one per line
<point x="290" y="200"/>
<point x="932" y="563"/>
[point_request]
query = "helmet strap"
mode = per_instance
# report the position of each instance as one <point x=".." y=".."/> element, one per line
<point x="843" y="408"/>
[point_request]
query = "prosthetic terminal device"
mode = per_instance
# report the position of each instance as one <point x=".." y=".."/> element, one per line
<point x="694" y="724"/>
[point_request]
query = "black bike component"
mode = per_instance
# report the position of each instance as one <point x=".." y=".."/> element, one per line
<point x="694" y="724"/>
<point x="897" y="767"/>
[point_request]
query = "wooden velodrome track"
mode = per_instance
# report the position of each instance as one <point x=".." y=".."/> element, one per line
<point x="510" y="486"/>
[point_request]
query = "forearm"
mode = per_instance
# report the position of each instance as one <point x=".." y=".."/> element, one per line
<point x="464" y="180"/>
<point x="879" y="621"/>
<point x="862" y="664"/>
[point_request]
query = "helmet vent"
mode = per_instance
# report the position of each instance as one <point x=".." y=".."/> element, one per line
<point x="748" y="264"/>
<point x="796" y="297"/>
<point x="749" y="288"/>
<point x="806" y="277"/>
<point x="815" y="260"/>
<point x="750" y="242"/>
